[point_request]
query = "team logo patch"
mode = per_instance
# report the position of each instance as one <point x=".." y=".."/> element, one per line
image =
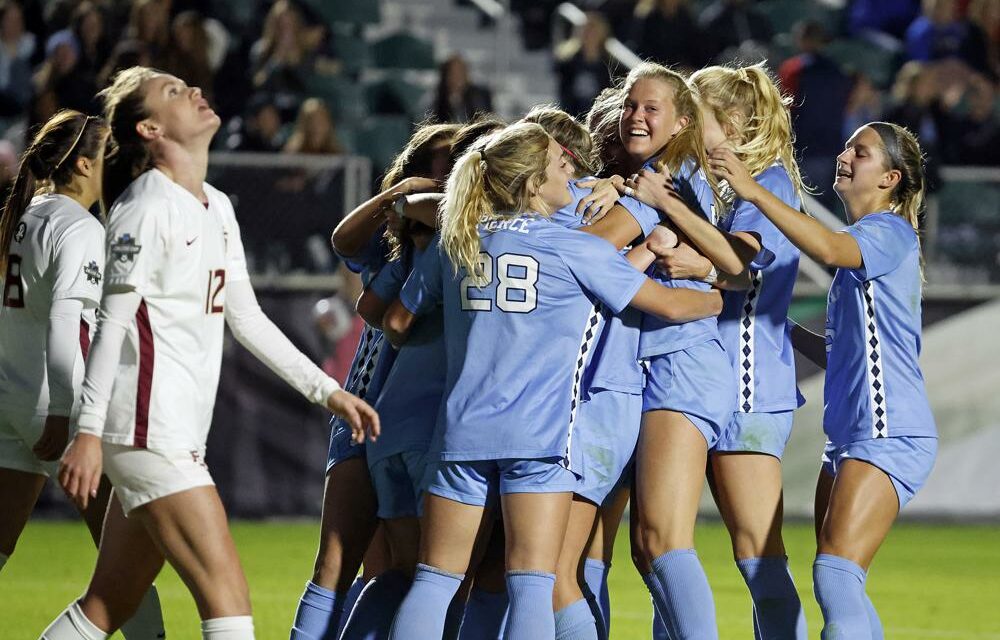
<point x="93" y="273"/>
<point x="124" y="249"/>
<point x="21" y="230"/>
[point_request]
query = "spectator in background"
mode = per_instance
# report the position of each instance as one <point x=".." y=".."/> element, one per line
<point x="984" y="32"/>
<point x="727" y="25"/>
<point x="970" y="135"/>
<point x="820" y="91"/>
<point x="314" y="131"/>
<point x="915" y="95"/>
<point x="282" y="59"/>
<point x="863" y="106"/>
<point x="458" y="99"/>
<point x="187" y="54"/>
<point x="16" y="48"/>
<point x="57" y="83"/>
<point x="259" y="129"/>
<point x="127" y="53"/>
<point x="583" y="65"/>
<point x="87" y="26"/>
<point x="148" y="22"/>
<point x="890" y="17"/>
<point x="940" y="33"/>
<point x="666" y="32"/>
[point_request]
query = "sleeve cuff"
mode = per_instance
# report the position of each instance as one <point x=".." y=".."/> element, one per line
<point x="323" y="390"/>
<point x="91" y="423"/>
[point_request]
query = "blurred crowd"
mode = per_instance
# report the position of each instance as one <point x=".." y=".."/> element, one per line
<point x="931" y="65"/>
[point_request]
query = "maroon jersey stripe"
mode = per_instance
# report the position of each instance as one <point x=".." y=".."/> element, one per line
<point x="146" y="355"/>
<point x="84" y="338"/>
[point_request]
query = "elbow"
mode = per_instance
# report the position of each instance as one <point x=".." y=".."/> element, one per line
<point x="396" y="324"/>
<point x="341" y="242"/>
<point x="370" y="308"/>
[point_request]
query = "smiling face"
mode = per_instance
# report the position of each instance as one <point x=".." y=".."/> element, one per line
<point x="553" y="194"/>
<point x="178" y="112"/>
<point x="863" y="169"/>
<point x="649" y="119"/>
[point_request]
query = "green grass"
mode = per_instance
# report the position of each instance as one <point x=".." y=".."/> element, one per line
<point x="927" y="582"/>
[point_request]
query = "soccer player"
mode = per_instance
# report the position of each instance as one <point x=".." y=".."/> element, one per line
<point x="349" y="528"/>
<point x="756" y="266"/>
<point x="175" y="273"/>
<point x="52" y="255"/>
<point x="882" y="436"/>
<point x="512" y="284"/>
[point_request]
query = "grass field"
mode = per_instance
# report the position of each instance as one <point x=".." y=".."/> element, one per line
<point x="927" y="582"/>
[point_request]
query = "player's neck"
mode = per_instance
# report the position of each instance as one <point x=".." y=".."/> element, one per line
<point x="186" y="167"/>
<point x="859" y="206"/>
<point x="81" y="194"/>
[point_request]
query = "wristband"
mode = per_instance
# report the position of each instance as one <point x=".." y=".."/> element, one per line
<point x="712" y="276"/>
<point x="399" y="205"/>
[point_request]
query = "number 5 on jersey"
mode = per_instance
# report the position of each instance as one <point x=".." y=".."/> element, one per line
<point x="216" y="281"/>
<point x="516" y="292"/>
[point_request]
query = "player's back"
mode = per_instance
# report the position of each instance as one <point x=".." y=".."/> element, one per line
<point x="517" y="344"/>
<point x="56" y="252"/>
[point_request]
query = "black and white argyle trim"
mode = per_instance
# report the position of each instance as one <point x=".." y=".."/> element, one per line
<point x="748" y="318"/>
<point x="371" y="347"/>
<point x="874" y="364"/>
<point x="590" y="332"/>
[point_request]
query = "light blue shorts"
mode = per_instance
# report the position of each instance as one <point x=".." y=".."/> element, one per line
<point x="482" y="482"/>
<point x="399" y="482"/>
<point x="756" y="433"/>
<point x="341" y="446"/>
<point x="907" y="460"/>
<point x="697" y="382"/>
<point x="607" y="429"/>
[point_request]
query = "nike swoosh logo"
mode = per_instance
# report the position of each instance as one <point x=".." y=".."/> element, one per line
<point x="191" y="240"/>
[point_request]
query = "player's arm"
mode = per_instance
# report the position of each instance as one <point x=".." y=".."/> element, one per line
<point x="826" y="247"/>
<point x="677" y="305"/>
<point x="261" y="337"/>
<point x="371" y="307"/>
<point x="619" y="227"/>
<point x="61" y="349"/>
<point x="397" y="322"/>
<point x="356" y="229"/>
<point x="80" y="470"/>
<point x="810" y="344"/>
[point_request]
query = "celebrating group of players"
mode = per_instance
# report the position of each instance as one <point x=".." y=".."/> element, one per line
<point x="587" y="315"/>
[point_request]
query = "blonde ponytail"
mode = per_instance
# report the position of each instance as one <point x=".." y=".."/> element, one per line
<point x="492" y="181"/>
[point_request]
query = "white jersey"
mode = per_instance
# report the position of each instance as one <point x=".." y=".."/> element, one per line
<point x="56" y="253"/>
<point x="179" y="255"/>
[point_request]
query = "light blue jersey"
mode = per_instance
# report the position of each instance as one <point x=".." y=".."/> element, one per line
<point x="372" y="359"/>
<point x="752" y="322"/>
<point x="874" y="387"/>
<point x="516" y="347"/>
<point x="659" y="336"/>
<point x="412" y="391"/>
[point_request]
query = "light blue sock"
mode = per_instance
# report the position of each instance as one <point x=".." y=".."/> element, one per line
<point x="595" y="576"/>
<point x="776" y="605"/>
<point x="576" y="622"/>
<point x="317" y="615"/>
<point x="873" y="620"/>
<point x="839" y="585"/>
<point x="453" y="619"/>
<point x="659" y="628"/>
<point x="350" y="598"/>
<point x="485" y="615"/>
<point x="372" y="616"/>
<point x="426" y="605"/>
<point x="683" y="596"/>
<point x="530" y="614"/>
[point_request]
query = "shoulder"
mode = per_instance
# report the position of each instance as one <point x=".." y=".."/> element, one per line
<point x="64" y="216"/>
<point x="147" y="194"/>
<point x="776" y="180"/>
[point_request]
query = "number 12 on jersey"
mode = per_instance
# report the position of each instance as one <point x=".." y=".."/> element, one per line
<point x="516" y="276"/>
<point x="216" y="281"/>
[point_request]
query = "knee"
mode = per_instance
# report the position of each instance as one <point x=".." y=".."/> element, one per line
<point x="754" y="544"/>
<point x="657" y="539"/>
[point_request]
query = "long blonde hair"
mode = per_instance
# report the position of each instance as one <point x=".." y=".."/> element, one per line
<point x="568" y="132"/>
<point x="689" y="142"/>
<point x="493" y="180"/>
<point x="747" y="101"/>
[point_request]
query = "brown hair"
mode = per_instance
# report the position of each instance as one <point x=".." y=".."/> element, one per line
<point x="902" y="153"/>
<point x="124" y="107"/>
<point x="569" y="133"/>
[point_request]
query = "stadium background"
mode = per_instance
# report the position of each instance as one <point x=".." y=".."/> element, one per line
<point x="318" y="95"/>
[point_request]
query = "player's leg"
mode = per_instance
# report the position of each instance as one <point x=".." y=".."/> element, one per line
<point x="574" y="618"/>
<point x="485" y="613"/>
<point x="19" y="490"/>
<point x="863" y="505"/>
<point x="748" y="493"/>
<point x="670" y="472"/>
<point x="600" y="553"/>
<point x="347" y="527"/>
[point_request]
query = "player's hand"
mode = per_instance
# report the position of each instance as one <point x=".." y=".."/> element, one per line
<point x="416" y="184"/>
<point x="724" y="165"/>
<point x="604" y="194"/>
<point x="80" y="470"/>
<point x="53" y="440"/>
<point x="655" y="189"/>
<point x="681" y="262"/>
<point x="357" y="413"/>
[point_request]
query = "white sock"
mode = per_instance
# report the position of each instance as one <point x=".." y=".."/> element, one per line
<point x="147" y="622"/>
<point x="73" y="625"/>
<point x="3" y="560"/>
<point x="229" y="628"/>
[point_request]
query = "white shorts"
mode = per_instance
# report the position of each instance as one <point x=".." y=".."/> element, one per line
<point x="20" y="429"/>
<point x="143" y="475"/>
